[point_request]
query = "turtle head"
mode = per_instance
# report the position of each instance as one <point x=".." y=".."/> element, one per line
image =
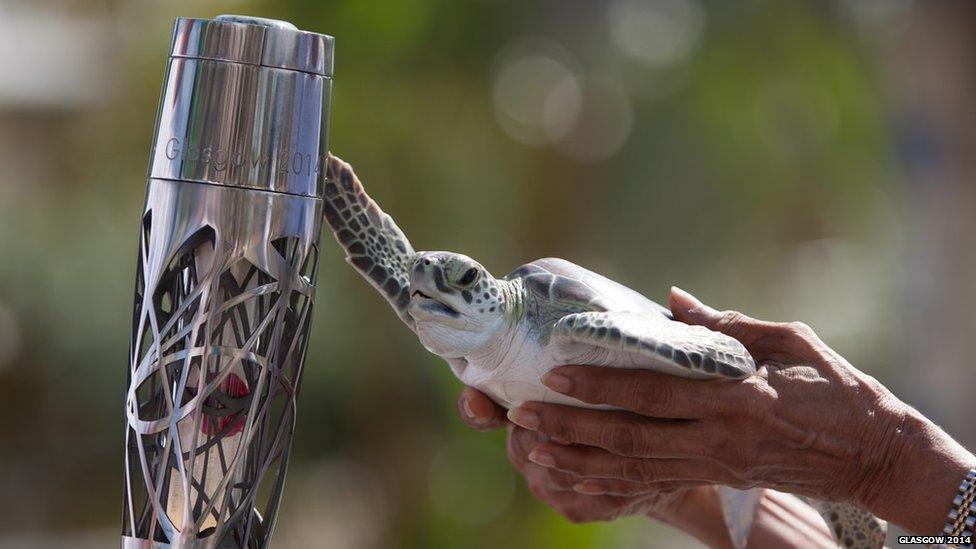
<point x="456" y="304"/>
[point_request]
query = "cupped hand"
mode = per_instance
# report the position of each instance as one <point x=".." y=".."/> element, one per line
<point x="808" y="423"/>
<point x="561" y="490"/>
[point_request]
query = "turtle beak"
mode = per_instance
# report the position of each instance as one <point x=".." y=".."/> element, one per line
<point x="424" y="307"/>
<point x="426" y="302"/>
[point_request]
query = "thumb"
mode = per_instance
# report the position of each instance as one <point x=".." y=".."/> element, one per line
<point x="688" y="309"/>
<point x="479" y="411"/>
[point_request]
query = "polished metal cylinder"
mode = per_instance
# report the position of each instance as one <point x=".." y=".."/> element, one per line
<point x="225" y="281"/>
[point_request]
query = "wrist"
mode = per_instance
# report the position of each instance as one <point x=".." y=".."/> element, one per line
<point x="919" y="477"/>
<point x="698" y="513"/>
<point x="782" y="520"/>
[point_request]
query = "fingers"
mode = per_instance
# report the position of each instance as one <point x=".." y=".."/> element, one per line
<point x="480" y="412"/>
<point x="595" y="463"/>
<point x="526" y="454"/>
<point x="623" y="488"/>
<point x="549" y="479"/>
<point x="578" y="508"/>
<point x="644" y="392"/>
<point x="520" y="445"/>
<point x="592" y="471"/>
<point x="686" y="308"/>
<point x="600" y="503"/>
<point x="580" y="499"/>
<point x="763" y="339"/>
<point x="622" y="433"/>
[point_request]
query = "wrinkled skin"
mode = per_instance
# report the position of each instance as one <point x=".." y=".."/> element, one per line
<point x="773" y="429"/>
<point x="808" y="423"/>
<point x="556" y="488"/>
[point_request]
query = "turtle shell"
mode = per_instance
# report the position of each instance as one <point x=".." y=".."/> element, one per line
<point x="557" y="280"/>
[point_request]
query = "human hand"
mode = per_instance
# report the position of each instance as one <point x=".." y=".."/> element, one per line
<point x="556" y="488"/>
<point x="808" y="423"/>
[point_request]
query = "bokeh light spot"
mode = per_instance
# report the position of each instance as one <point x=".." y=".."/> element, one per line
<point x="536" y="91"/>
<point x="659" y="33"/>
<point x="604" y="123"/>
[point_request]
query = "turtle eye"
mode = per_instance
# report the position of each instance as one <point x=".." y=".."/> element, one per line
<point x="468" y="276"/>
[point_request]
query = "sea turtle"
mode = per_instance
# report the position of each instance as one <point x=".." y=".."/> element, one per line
<point x="501" y="335"/>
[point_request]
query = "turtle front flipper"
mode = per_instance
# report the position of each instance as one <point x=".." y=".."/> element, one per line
<point x="374" y="245"/>
<point x="658" y="343"/>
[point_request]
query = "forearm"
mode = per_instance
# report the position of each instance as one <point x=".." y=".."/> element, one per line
<point x="924" y="470"/>
<point x="781" y="521"/>
<point x="784" y="520"/>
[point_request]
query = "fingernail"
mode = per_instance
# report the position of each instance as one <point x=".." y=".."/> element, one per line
<point x="541" y="457"/>
<point x="589" y="488"/>
<point x="685" y="295"/>
<point x="470" y="413"/>
<point x="557" y="382"/>
<point x="689" y="303"/>
<point x="524" y="418"/>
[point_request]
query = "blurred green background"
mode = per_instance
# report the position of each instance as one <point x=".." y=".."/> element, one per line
<point x="794" y="159"/>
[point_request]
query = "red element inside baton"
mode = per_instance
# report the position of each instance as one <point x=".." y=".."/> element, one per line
<point x="232" y="388"/>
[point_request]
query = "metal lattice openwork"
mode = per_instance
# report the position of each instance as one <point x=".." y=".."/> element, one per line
<point x="219" y="336"/>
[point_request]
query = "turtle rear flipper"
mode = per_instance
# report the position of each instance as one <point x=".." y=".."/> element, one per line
<point x="659" y="343"/>
<point x="374" y="245"/>
<point x="739" y="508"/>
<point x="852" y="527"/>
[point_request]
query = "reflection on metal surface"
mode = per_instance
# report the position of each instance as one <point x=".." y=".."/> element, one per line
<point x="225" y="282"/>
<point x="245" y="105"/>
<point x="242" y="125"/>
<point x="253" y="41"/>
